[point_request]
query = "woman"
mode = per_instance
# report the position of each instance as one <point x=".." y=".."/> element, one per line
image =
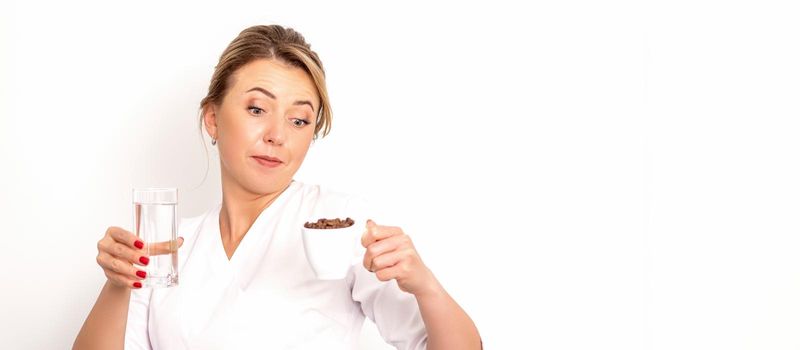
<point x="266" y="102"/>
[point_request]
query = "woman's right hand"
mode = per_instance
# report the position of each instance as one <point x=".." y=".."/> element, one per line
<point x="118" y="253"/>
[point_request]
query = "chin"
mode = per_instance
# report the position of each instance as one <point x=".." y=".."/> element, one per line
<point x="264" y="184"/>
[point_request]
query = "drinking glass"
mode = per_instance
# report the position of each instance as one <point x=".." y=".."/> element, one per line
<point x="155" y="223"/>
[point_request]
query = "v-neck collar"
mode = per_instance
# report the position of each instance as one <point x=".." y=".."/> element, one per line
<point x="254" y="234"/>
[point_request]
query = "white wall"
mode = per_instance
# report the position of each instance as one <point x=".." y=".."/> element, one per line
<point x="580" y="175"/>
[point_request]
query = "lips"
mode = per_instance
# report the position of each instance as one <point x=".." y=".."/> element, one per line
<point x="267" y="161"/>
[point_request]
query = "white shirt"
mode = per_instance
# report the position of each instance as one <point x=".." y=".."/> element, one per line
<point x="266" y="296"/>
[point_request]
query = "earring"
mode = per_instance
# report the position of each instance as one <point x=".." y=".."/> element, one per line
<point x="213" y="142"/>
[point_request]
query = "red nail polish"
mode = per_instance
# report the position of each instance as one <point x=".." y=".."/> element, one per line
<point x="141" y="274"/>
<point x="137" y="285"/>
<point x="139" y="244"/>
<point x="144" y="260"/>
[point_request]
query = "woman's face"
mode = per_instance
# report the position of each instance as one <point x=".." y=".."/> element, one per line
<point x="264" y="125"/>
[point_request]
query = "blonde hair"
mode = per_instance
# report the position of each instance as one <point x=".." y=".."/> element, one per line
<point x="270" y="42"/>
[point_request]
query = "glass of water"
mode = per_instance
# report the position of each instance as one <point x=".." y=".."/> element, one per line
<point x="155" y="223"/>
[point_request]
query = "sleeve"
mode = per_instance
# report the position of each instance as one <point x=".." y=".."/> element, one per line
<point x="136" y="336"/>
<point x="395" y="312"/>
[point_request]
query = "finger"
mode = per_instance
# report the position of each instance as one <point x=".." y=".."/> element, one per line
<point x="107" y="246"/>
<point x="365" y="238"/>
<point x="111" y="264"/>
<point x="390" y="259"/>
<point x="122" y="252"/>
<point x="390" y="273"/>
<point x="383" y="246"/>
<point x="376" y="233"/>
<point x="125" y="237"/>
<point x="165" y="247"/>
<point x="122" y="280"/>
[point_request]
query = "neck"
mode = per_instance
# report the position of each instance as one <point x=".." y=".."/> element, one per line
<point x="240" y="208"/>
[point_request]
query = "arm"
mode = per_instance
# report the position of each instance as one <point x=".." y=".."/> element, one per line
<point x="391" y="255"/>
<point x="105" y="326"/>
<point x="447" y="325"/>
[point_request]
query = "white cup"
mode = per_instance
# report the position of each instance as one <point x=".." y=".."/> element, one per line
<point x="331" y="252"/>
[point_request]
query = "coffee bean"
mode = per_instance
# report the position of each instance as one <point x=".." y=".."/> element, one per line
<point x="330" y="223"/>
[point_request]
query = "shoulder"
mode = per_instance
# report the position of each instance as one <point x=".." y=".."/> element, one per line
<point x="333" y="200"/>
<point x="188" y="226"/>
<point x="322" y="193"/>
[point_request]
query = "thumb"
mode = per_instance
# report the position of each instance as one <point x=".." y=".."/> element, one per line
<point x="165" y="247"/>
<point x="367" y="238"/>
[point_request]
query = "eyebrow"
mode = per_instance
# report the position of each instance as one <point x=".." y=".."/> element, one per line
<point x="271" y="95"/>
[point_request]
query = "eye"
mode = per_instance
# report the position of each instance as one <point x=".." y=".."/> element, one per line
<point x="299" y="122"/>
<point x="255" y="110"/>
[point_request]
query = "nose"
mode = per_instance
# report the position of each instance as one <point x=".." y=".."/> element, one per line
<point x="274" y="132"/>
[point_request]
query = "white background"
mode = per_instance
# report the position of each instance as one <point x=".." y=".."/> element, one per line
<point x="579" y="175"/>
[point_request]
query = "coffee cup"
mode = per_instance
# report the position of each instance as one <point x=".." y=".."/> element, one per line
<point x="331" y="247"/>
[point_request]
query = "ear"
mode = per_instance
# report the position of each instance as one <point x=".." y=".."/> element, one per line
<point x="210" y="120"/>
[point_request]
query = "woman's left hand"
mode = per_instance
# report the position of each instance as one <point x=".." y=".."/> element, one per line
<point x="391" y="255"/>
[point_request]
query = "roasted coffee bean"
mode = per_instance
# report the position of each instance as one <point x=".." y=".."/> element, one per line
<point x="330" y="223"/>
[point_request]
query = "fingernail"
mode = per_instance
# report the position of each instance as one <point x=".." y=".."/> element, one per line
<point x="141" y="274"/>
<point x="137" y="285"/>
<point x="139" y="244"/>
<point x="144" y="260"/>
